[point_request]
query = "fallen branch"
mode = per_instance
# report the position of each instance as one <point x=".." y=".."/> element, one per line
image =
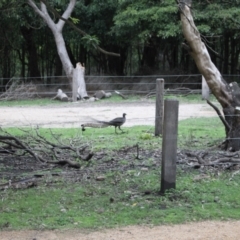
<point x="220" y="115"/>
<point x="46" y="151"/>
<point x="18" y="90"/>
<point x="120" y="94"/>
<point x="21" y="184"/>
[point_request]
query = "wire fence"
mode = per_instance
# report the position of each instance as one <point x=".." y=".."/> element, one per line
<point x="139" y="112"/>
<point x="130" y="85"/>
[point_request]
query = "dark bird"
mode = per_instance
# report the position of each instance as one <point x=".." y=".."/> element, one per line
<point x="116" y="122"/>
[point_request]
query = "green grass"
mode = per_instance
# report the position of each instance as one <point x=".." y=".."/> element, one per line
<point x="200" y="132"/>
<point x="120" y="199"/>
<point x="107" y="204"/>
<point x="193" y="98"/>
<point x="30" y="102"/>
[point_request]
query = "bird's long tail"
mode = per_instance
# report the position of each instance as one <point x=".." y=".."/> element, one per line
<point x="103" y="122"/>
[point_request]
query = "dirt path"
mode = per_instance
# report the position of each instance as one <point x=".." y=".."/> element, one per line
<point x="74" y="114"/>
<point x="209" y="230"/>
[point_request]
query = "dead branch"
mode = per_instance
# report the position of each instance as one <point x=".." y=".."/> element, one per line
<point x="46" y="151"/>
<point x="68" y="163"/>
<point x="18" y="90"/>
<point x="20" y="184"/>
<point x="120" y="94"/>
<point x="199" y="159"/>
<point x="226" y="160"/>
<point x="220" y="115"/>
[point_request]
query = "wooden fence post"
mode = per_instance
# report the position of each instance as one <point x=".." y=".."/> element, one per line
<point x="159" y="106"/>
<point x="169" y="145"/>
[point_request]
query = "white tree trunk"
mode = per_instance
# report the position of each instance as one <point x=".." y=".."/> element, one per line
<point x="200" y="54"/>
<point x="228" y="95"/>
<point x="79" y="86"/>
<point x="56" y="29"/>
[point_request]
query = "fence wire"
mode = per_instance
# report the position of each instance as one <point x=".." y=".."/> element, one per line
<point x="143" y="86"/>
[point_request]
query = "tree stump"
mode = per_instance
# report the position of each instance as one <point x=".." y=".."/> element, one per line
<point x="79" y="85"/>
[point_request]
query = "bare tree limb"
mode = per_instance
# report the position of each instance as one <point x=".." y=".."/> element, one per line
<point x="63" y="18"/>
<point x="220" y="115"/>
<point x="44" y="150"/>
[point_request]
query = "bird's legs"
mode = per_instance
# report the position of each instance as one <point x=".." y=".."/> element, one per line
<point x="120" y="129"/>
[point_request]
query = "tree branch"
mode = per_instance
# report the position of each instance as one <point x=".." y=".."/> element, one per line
<point x="66" y="14"/>
<point x="44" y="150"/>
<point x="220" y="115"/>
<point x="77" y="29"/>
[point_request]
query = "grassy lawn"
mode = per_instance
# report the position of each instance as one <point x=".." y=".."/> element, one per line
<point x="126" y="197"/>
<point x="122" y="200"/>
<point x="193" y="98"/>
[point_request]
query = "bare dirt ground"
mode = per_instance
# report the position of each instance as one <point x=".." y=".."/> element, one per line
<point x="73" y="115"/>
<point x="208" y="230"/>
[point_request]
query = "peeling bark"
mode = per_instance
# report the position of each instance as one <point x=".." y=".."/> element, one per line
<point x="227" y="95"/>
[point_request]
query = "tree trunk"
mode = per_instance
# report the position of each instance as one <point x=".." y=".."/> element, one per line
<point x="227" y="95"/>
<point x="79" y="86"/>
<point x="56" y="29"/>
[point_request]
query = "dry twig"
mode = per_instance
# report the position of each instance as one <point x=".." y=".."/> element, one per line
<point x="46" y="151"/>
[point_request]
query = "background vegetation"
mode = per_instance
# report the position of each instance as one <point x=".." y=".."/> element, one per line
<point x="146" y="33"/>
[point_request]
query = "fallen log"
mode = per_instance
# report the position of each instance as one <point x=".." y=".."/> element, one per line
<point x="20" y="184"/>
<point x="61" y="96"/>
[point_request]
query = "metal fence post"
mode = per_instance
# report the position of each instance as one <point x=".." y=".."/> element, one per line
<point x="159" y="106"/>
<point x="169" y="145"/>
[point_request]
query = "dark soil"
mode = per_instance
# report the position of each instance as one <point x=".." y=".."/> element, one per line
<point x="21" y="169"/>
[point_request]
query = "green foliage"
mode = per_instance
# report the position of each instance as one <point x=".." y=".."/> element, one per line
<point x="122" y="26"/>
<point x="90" y="42"/>
<point x="198" y="133"/>
<point x="212" y="14"/>
<point x="75" y="20"/>
<point x="32" y="102"/>
<point x="145" y="19"/>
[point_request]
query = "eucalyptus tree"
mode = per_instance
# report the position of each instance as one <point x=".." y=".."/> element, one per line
<point x="228" y="95"/>
<point x="57" y="29"/>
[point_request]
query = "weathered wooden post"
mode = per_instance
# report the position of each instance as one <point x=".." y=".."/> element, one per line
<point x="169" y="145"/>
<point x="159" y="106"/>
